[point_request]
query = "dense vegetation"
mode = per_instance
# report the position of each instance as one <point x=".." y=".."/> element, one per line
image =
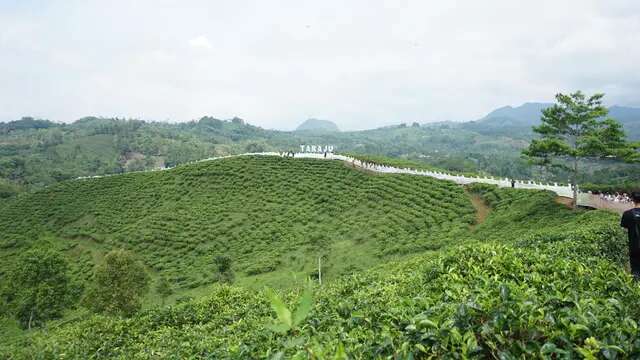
<point x="37" y="288"/>
<point x="534" y="280"/>
<point x="35" y="153"/>
<point x="272" y="217"/>
<point x="36" y="156"/>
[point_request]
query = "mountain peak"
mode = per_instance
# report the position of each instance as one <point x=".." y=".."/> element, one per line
<point x="318" y="125"/>
<point x="529" y="111"/>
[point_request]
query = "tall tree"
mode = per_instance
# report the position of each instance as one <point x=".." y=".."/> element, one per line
<point x="120" y="283"/>
<point x="39" y="287"/>
<point x="574" y="129"/>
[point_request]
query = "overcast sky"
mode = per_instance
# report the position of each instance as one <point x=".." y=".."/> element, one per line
<point x="361" y="64"/>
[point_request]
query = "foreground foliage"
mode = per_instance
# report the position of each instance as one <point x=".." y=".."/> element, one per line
<point x="558" y="290"/>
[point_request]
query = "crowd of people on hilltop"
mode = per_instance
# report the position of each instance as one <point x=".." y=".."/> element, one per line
<point x="617" y="197"/>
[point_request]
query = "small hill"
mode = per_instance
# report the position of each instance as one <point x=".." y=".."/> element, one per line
<point x="272" y="216"/>
<point x="26" y="123"/>
<point x="318" y="125"/>
<point x="525" y="114"/>
<point x="509" y="121"/>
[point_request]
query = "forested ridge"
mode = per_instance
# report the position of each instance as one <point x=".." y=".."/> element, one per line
<point x="35" y="153"/>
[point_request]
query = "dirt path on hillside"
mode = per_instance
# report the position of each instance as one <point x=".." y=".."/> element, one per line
<point x="568" y="202"/>
<point x="482" y="210"/>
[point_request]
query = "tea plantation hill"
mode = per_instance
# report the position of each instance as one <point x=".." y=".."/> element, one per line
<point x="273" y="217"/>
<point x="535" y="280"/>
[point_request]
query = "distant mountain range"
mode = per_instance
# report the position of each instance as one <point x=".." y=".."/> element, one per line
<point x="318" y="125"/>
<point x="517" y="121"/>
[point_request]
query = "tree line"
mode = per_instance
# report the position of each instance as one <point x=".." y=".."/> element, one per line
<point x="576" y="129"/>
<point x="39" y="287"/>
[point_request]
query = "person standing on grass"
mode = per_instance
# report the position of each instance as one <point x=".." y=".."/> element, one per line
<point x="631" y="222"/>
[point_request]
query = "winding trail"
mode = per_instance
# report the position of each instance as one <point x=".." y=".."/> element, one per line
<point x="482" y="209"/>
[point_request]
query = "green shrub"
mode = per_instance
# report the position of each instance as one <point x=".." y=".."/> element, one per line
<point x="118" y="285"/>
<point x="38" y="287"/>
<point x="163" y="288"/>
<point x="553" y="292"/>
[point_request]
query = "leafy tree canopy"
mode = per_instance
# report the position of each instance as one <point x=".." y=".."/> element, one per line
<point x="119" y="285"/>
<point x="577" y="128"/>
<point x="38" y="287"/>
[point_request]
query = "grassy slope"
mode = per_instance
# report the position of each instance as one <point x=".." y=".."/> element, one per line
<point x="272" y="216"/>
<point x="548" y="291"/>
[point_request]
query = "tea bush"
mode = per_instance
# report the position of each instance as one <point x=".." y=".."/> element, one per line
<point x="257" y="210"/>
<point x="534" y="280"/>
<point x="557" y="291"/>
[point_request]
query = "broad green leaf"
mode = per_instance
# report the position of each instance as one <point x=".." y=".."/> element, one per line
<point x="340" y="353"/>
<point x="283" y="313"/>
<point x="428" y="323"/>
<point x="279" y="328"/>
<point x="586" y="353"/>
<point x="304" y="306"/>
<point x="548" y="348"/>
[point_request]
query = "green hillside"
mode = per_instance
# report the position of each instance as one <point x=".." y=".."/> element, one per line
<point x="33" y="157"/>
<point x="534" y="280"/>
<point x="273" y="217"/>
<point x="37" y="153"/>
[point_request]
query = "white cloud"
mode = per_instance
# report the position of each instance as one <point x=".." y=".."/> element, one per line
<point x="200" y="42"/>
<point x="361" y="63"/>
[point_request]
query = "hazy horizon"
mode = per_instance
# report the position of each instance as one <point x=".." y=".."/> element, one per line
<point x="360" y="64"/>
<point x="301" y="121"/>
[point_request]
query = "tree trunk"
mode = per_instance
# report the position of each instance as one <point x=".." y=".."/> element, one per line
<point x="574" y="184"/>
<point x="30" y="318"/>
<point x="320" y="270"/>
